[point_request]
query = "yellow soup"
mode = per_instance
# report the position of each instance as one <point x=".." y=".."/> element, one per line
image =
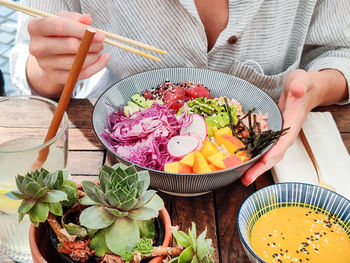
<point x="298" y="234"/>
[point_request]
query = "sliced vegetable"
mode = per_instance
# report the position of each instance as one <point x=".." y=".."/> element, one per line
<point x="197" y="126"/>
<point x="181" y="145"/>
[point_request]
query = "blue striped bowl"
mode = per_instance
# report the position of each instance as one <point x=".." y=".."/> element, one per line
<point x="220" y="84"/>
<point x="294" y="194"/>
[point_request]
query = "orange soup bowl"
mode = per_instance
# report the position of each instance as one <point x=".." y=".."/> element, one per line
<point x="295" y="222"/>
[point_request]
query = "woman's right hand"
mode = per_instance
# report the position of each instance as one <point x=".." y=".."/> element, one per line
<point x="54" y="42"/>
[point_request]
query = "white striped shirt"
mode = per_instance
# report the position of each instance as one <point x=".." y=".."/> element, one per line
<point x="274" y="37"/>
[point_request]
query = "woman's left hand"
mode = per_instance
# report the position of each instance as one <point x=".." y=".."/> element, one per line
<point x="297" y="99"/>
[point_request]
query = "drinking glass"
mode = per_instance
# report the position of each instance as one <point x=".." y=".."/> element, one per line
<point x="24" y="121"/>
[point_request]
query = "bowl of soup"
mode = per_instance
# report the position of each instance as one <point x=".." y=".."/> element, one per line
<point x="295" y="222"/>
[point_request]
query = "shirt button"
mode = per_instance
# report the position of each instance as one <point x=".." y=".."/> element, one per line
<point x="232" y="40"/>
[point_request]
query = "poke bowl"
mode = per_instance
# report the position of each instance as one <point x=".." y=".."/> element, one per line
<point x="295" y="222"/>
<point x="115" y="108"/>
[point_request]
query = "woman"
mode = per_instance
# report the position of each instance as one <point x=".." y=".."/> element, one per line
<point x="264" y="42"/>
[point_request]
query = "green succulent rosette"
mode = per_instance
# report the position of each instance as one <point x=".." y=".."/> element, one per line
<point x="121" y="209"/>
<point x="42" y="192"/>
<point x="196" y="250"/>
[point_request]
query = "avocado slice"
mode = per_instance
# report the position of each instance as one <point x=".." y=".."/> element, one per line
<point x="131" y="108"/>
<point x="219" y="120"/>
<point x="141" y="101"/>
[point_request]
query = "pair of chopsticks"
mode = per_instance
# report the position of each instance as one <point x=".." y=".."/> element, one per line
<point x="39" y="13"/>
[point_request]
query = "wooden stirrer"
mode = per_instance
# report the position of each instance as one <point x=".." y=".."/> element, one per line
<point x="66" y="94"/>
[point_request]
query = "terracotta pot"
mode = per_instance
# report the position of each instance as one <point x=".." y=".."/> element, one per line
<point x="43" y="252"/>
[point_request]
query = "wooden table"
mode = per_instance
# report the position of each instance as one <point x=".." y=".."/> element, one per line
<point x="216" y="211"/>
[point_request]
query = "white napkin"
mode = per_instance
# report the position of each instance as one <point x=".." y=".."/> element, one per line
<point x="329" y="151"/>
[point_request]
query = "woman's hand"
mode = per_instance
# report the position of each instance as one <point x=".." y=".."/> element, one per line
<point x="54" y="42"/>
<point x="302" y="92"/>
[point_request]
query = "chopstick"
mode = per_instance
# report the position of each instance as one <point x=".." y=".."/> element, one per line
<point x="38" y="13"/>
<point x="66" y="94"/>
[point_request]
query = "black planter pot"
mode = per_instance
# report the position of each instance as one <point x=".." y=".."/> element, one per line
<point x="64" y="258"/>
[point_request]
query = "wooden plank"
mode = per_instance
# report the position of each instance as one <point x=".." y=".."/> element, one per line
<point x="228" y="201"/>
<point x="83" y="139"/>
<point x="8" y="134"/>
<point x="79" y="113"/>
<point x="110" y="158"/>
<point x="78" y="139"/>
<point x="85" y="162"/>
<point x="199" y="210"/>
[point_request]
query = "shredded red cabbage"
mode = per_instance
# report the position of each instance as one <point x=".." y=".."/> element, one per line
<point x="142" y="138"/>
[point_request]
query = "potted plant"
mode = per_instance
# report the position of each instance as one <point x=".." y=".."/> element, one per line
<point x="113" y="220"/>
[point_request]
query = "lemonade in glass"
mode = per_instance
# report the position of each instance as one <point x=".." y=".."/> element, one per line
<point x="24" y="121"/>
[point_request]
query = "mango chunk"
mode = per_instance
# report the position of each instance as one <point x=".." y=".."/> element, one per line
<point x="200" y="164"/>
<point x="188" y="159"/>
<point x="209" y="149"/>
<point x="217" y="160"/>
<point x="213" y="167"/>
<point x="220" y="133"/>
<point x="171" y="167"/>
<point x="243" y="155"/>
<point x="230" y="143"/>
<point x="223" y="131"/>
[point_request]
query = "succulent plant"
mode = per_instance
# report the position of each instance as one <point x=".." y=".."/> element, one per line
<point x="120" y="206"/>
<point x="197" y="250"/>
<point x="43" y="192"/>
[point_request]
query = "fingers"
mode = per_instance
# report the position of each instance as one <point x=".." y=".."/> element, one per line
<point x="253" y="173"/>
<point x="294" y="105"/>
<point x="58" y="26"/>
<point x="82" y="18"/>
<point x="44" y="47"/>
<point x="65" y="62"/>
<point x="95" y="67"/>
<point x="61" y="76"/>
<point x="54" y="42"/>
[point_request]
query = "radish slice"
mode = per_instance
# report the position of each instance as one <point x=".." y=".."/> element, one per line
<point x="181" y="145"/>
<point x="200" y="141"/>
<point x="197" y="126"/>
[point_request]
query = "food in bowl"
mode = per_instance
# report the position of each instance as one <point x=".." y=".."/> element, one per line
<point x="295" y="233"/>
<point x="182" y="128"/>
<point x="295" y="222"/>
<point x="250" y="96"/>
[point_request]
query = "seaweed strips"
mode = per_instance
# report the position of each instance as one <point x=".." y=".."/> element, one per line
<point x="254" y="139"/>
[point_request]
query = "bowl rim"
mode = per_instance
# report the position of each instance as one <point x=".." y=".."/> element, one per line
<point x="271" y="186"/>
<point x="182" y="174"/>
